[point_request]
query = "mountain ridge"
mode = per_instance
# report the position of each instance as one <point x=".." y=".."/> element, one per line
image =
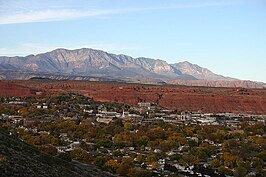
<point x="87" y="62"/>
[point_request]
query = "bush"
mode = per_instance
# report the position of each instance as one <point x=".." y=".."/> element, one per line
<point x="100" y="161"/>
<point x="139" y="173"/>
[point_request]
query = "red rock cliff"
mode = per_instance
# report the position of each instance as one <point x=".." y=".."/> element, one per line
<point x="203" y="99"/>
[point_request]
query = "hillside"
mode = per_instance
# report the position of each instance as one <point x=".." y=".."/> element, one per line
<point x="8" y="88"/>
<point x="182" y="98"/>
<point x="18" y="159"/>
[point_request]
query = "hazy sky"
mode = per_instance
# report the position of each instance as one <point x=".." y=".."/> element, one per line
<point x="226" y="36"/>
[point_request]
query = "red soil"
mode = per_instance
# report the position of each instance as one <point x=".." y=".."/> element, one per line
<point x="204" y="99"/>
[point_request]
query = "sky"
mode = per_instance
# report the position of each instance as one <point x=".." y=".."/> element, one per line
<point x="226" y="36"/>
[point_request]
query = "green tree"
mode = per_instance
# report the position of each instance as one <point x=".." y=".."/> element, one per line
<point x="225" y="171"/>
<point x="125" y="166"/>
<point x="80" y="155"/>
<point x="240" y="172"/>
<point x="128" y="126"/>
<point x="215" y="163"/>
<point x="140" y="158"/>
<point x="111" y="165"/>
<point x="100" y="161"/>
<point x="135" y="172"/>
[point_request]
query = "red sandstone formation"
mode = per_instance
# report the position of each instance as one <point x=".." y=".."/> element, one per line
<point x="204" y="99"/>
<point x="10" y="89"/>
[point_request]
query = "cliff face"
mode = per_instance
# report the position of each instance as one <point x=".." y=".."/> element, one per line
<point x="10" y="89"/>
<point x="209" y="100"/>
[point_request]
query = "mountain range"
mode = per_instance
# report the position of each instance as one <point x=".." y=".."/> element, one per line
<point x="90" y="64"/>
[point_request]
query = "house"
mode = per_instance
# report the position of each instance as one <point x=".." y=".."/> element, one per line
<point x="44" y="133"/>
<point x="15" y="119"/>
<point x="157" y="150"/>
<point x="147" y="148"/>
<point x="88" y="111"/>
<point x="17" y="102"/>
<point x="75" y="145"/>
<point x="61" y="149"/>
<point x="106" y="114"/>
<point x="104" y="120"/>
<point x="183" y="117"/>
<point x="146" y="106"/>
<point x="206" y="120"/>
<point x="131" y="148"/>
<point x="42" y="106"/>
<point x="232" y="123"/>
<point x="64" y="137"/>
<point x="128" y="116"/>
<point x="170" y="153"/>
<point x="169" y="120"/>
<point x="141" y="104"/>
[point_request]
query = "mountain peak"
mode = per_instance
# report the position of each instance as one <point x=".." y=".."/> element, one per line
<point x="199" y="72"/>
<point x="91" y="62"/>
<point x="185" y="62"/>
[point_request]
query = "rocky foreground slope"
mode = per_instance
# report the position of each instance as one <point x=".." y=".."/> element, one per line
<point x="18" y="159"/>
<point x="182" y="98"/>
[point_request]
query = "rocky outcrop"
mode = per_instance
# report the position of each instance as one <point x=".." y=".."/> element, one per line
<point x="204" y="99"/>
<point x="11" y="89"/>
